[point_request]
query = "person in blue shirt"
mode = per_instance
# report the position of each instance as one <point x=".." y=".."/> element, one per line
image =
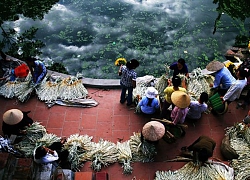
<point x="149" y="104"/>
<point x="179" y="67"/>
<point x="223" y="78"/>
<point x="37" y="69"/>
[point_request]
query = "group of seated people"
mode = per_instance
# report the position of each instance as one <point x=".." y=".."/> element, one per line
<point x="176" y="96"/>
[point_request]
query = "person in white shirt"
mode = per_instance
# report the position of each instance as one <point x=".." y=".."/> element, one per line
<point x="236" y="88"/>
<point x="53" y="153"/>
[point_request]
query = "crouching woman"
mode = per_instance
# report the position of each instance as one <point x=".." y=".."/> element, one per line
<point x="149" y="103"/>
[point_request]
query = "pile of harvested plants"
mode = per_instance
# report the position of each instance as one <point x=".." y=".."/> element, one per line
<point x="239" y="140"/>
<point x="82" y="149"/>
<point x="192" y="171"/>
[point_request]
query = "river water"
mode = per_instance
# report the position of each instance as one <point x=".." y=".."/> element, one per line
<point x="87" y="36"/>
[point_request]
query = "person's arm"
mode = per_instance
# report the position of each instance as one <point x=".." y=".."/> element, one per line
<point x="134" y="83"/>
<point x="50" y="157"/>
<point x="216" y="81"/>
<point x="172" y="66"/>
<point x="157" y="102"/>
<point x="43" y="71"/>
<point x="120" y="71"/>
<point x="32" y="72"/>
<point x="134" y="80"/>
<point x="186" y="70"/>
<point x="141" y="102"/>
<point x="190" y="148"/>
<point x="229" y="92"/>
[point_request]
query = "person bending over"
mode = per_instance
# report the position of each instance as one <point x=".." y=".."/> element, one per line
<point x="236" y="88"/>
<point x="53" y="153"/>
<point x="37" y="69"/>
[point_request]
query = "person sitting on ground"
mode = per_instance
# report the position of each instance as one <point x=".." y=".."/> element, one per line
<point x="181" y="101"/>
<point x="37" y="69"/>
<point x="223" y="78"/>
<point x="53" y="153"/>
<point x="128" y="80"/>
<point x="15" y="122"/>
<point x="201" y="149"/>
<point x="149" y="104"/>
<point x="236" y="88"/>
<point x="176" y="81"/>
<point x="196" y="108"/>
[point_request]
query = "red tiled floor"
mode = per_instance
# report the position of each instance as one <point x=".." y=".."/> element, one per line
<point x="113" y="121"/>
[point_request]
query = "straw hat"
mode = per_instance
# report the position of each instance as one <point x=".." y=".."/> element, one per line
<point x="215" y="66"/>
<point x="12" y="116"/>
<point x="180" y="99"/>
<point x="206" y="72"/>
<point x="153" y="131"/>
<point x="151" y="92"/>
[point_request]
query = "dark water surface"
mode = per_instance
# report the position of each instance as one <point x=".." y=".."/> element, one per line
<point x="87" y="36"/>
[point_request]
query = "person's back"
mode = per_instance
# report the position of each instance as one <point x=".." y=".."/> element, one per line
<point x="236" y="88"/>
<point x="149" y="103"/>
<point x="181" y="100"/>
<point x="196" y="108"/>
<point x="176" y="81"/>
<point x="224" y="78"/>
<point x="178" y="115"/>
<point x="204" y="146"/>
<point x="149" y="106"/>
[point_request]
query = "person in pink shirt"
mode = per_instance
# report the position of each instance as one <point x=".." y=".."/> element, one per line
<point x="181" y="100"/>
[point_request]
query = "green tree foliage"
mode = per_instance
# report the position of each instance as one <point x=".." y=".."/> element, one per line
<point x="236" y="9"/>
<point x="11" y="9"/>
<point x="25" y="42"/>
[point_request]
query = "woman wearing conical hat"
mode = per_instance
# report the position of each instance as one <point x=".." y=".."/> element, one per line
<point x="181" y="100"/>
<point x="223" y="78"/>
<point x="15" y="121"/>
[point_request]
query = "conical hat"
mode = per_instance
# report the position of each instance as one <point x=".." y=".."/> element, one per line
<point x="153" y="131"/>
<point x="12" y="116"/>
<point x="215" y="66"/>
<point x="180" y="99"/>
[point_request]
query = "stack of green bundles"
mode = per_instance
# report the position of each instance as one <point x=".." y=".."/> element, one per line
<point x="216" y="103"/>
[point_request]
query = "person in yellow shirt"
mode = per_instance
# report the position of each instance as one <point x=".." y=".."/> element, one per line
<point x="176" y="82"/>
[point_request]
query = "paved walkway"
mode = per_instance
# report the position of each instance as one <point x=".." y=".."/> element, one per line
<point x="113" y="121"/>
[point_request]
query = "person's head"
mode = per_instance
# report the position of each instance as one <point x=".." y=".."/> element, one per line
<point x="242" y="72"/>
<point x="132" y="64"/>
<point x="203" y="155"/>
<point x="30" y="61"/>
<point x="40" y="152"/>
<point x="176" y="81"/>
<point x="203" y="97"/>
<point x="180" y="64"/>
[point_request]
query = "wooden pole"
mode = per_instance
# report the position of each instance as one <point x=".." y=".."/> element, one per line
<point x="169" y="122"/>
